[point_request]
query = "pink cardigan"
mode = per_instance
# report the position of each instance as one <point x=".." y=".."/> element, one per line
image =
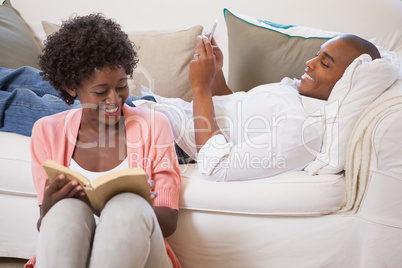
<point x="150" y="146"/>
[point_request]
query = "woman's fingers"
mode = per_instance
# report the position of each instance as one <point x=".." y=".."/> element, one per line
<point x="71" y="189"/>
<point x="154" y="194"/>
<point x="76" y="190"/>
<point x="151" y="184"/>
<point x="53" y="186"/>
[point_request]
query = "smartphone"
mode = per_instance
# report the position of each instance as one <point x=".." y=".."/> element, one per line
<point x="213" y="29"/>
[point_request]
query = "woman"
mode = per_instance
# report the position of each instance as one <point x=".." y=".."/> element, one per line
<point x="90" y="59"/>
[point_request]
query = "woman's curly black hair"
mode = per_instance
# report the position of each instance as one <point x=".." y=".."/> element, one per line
<point x="82" y="45"/>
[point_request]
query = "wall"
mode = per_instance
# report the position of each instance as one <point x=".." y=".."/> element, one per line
<point x="367" y="18"/>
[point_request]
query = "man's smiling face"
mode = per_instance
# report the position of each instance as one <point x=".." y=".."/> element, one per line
<point x="326" y="69"/>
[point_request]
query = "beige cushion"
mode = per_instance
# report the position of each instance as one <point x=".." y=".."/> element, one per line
<point x="163" y="60"/>
<point x="50" y="28"/>
<point x="18" y="45"/>
<point x="262" y="52"/>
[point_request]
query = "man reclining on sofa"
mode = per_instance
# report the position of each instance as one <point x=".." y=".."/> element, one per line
<point x="219" y="156"/>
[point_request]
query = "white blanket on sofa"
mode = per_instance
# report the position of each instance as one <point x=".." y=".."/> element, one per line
<point x="360" y="145"/>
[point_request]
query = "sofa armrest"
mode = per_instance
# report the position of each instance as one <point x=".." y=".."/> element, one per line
<point x="374" y="161"/>
<point x="382" y="201"/>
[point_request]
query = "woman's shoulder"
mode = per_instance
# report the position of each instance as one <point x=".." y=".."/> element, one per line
<point x="58" y="120"/>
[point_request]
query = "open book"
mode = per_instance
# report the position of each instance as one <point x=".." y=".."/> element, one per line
<point x="100" y="190"/>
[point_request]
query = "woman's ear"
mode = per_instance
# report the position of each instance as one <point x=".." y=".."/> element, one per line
<point x="72" y="92"/>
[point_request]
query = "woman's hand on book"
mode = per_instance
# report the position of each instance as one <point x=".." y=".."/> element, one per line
<point x="53" y="194"/>
<point x="154" y="194"/>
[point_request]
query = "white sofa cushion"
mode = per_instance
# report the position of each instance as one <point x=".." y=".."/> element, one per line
<point x="291" y="193"/>
<point x="18" y="203"/>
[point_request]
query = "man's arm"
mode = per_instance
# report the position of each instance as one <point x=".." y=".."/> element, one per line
<point x="219" y="86"/>
<point x="203" y="70"/>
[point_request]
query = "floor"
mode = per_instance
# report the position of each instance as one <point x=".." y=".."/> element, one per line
<point x="12" y="263"/>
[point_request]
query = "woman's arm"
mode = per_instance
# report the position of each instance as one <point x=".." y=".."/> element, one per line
<point x="163" y="171"/>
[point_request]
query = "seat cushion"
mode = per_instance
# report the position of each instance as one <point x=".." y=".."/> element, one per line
<point x="290" y="193"/>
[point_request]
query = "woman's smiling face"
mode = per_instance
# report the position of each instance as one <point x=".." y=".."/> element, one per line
<point x="103" y="95"/>
<point x="326" y="69"/>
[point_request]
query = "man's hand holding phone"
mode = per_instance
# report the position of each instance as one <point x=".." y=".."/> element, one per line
<point x="217" y="51"/>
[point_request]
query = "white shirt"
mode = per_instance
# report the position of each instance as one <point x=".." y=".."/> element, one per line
<point x="266" y="131"/>
<point x="92" y="175"/>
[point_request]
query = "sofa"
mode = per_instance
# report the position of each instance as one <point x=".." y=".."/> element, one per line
<point x="350" y="216"/>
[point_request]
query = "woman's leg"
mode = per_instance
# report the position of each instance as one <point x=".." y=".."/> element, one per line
<point x="65" y="235"/>
<point x="128" y="235"/>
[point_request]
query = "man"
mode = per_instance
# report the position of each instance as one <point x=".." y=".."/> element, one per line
<point x="225" y="158"/>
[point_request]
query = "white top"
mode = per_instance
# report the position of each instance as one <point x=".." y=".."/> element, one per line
<point x="92" y="175"/>
<point x="266" y="131"/>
